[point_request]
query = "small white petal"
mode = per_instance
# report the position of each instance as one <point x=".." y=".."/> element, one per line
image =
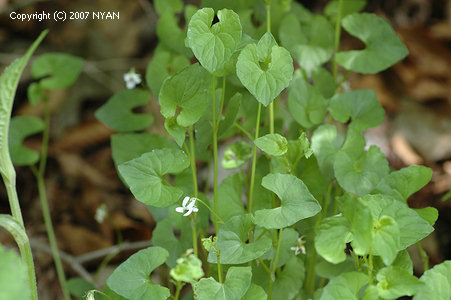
<point x="130" y="84"/>
<point x="185" y="201"/>
<point x="180" y="209"/>
<point x="188" y="212"/>
<point x="195" y="209"/>
<point x="191" y="204"/>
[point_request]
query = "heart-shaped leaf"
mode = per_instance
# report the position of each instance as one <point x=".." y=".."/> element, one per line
<point x="347" y="285"/>
<point x="403" y="183"/>
<point x="311" y="44"/>
<point x="237" y="282"/>
<point x="273" y="144"/>
<point x="356" y="170"/>
<point x="394" y="282"/>
<point x="132" y="278"/>
<point x="8" y="85"/>
<point x="232" y="242"/>
<point x="230" y="193"/>
<point x="306" y="104"/>
<point x="145" y="174"/>
<point x="361" y="106"/>
<point x="162" y="65"/>
<point x="213" y="45"/>
<point x="324" y="146"/>
<point x="185" y="95"/>
<point x="413" y="228"/>
<point x="437" y="282"/>
<point x="383" y="46"/>
<point x="20" y="128"/>
<point x="59" y="70"/>
<point x="265" y="69"/>
<point x="331" y="237"/>
<point x="118" y="113"/>
<point x="296" y="202"/>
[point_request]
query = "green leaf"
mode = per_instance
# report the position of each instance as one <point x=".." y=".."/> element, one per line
<point x="145" y="174"/>
<point x="430" y="214"/>
<point x="290" y="238"/>
<point x="236" y="155"/>
<point x="175" y="130"/>
<point x="8" y="86"/>
<point x="59" y="70"/>
<point x="394" y="282"/>
<point x="437" y="283"/>
<point x="233" y="243"/>
<point x="20" y="128"/>
<point x="356" y="170"/>
<point x="290" y="279"/>
<point x="171" y="35"/>
<point x="413" y="228"/>
<point x="386" y="239"/>
<point x="237" y="282"/>
<point x="168" y="6"/>
<point x="371" y="293"/>
<point x="163" y="236"/>
<point x="163" y="65"/>
<point x="305" y="102"/>
<point x="346" y="286"/>
<point x="127" y="146"/>
<point x="230" y="191"/>
<point x="185" y="95"/>
<point x="403" y="183"/>
<point x="273" y="144"/>
<point x="383" y="46"/>
<point x="118" y="113"/>
<point x="255" y="292"/>
<point x="265" y="69"/>
<point x="329" y="270"/>
<point x="78" y="287"/>
<point x="233" y="108"/>
<point x="13" y="276"/>
<point x="296" y="202"/>
<point x="311" y="44"/>
<point x="213" y="45"/>
<point x="324" y="82"/>
<point x="35" y="92"/>
<point x="361" y="106"/>
<point x="132" y="278"/>
<point x="348" y="7"/>
<point x="324" y="147"/>
<point x="361" y="220"/>
<point x="331" y="237"/>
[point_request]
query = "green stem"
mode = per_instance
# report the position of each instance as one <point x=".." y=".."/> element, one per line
<point x="212" y="211"/>
<point x="39" y="174"/>
<point x="218" y="255"/>
<point x="370" y="267"/>
<point x="246" y="133"/>
<point x="177" y="290"/>
<point x="424" y="257"/>
<point x="215" y="150"/>
<point x="254" y="160"/>
<point x="274" y="266"/>
<point x="310" y="280"/>
<point x="51" y="232"/>
<point x="221" y="105"/>
<point x="264" y="266"/>
<point x="337" y="39"/>
<point x="268" y="17"/>
<point x="192" y="157"/>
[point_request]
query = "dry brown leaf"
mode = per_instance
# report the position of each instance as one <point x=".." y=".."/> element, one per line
<point x="78" y="240"/>
<point x="404" y="151"/>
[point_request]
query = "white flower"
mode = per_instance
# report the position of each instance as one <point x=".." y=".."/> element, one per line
<point x="299" y="246"/>
<point x="132" y="79"/>
<point x="101" y="213"/>
<point x="90" y="295"/>
<point x="188" y="204"/>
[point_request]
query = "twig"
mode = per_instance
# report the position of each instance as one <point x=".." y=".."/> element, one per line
<point x="118" y="248"/>
<point x="65" y="257"/>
